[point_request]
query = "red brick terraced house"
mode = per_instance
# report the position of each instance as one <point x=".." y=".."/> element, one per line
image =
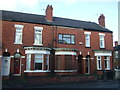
<point x="35" y="45"/>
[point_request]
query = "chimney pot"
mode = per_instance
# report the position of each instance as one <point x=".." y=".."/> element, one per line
<point x="101" y="20"/>
<point x="49" y="13"/>
<point x="116" y="43"/>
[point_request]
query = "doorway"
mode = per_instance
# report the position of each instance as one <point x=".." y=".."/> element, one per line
<point x="17" y="64"/>
<point x="80" y="64"/>
<point x="87" y="64"/>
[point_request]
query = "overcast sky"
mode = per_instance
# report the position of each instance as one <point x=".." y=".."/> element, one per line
<point x="74" y="9"/>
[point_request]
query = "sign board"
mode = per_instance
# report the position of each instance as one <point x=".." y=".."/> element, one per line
<point x="5" y="66"/>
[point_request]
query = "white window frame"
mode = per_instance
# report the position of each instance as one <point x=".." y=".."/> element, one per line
<point x="87" y="40"/>
<point x="19" y="30"/>
<point x="99" y="63"/>
<point x="102" y="39"/>
<point x="108" y="62"/>
<point x="40" y="61"/>
<point x="116" y="54"/>
<point x="47" y="62"/>
<point x="36" y="28"/>
<point x="28" y="62"/>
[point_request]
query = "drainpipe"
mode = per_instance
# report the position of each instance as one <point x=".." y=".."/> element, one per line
<point x="52" y="55"/>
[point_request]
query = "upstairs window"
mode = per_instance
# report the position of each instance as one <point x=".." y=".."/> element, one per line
<point x="66" y="38"/>
<point x="87" y="39"/>
<point x="38" y="35"/>
<point x="102" y="41"/>
<point x="18" y="35"/>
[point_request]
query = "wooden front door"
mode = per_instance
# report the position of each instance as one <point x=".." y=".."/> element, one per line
<point x="80" y="66"/>
<point x="17" y="66"/>
<point x="87" y="64"/>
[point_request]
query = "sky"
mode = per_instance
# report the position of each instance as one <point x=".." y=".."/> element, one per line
<point x="86" y="10"/>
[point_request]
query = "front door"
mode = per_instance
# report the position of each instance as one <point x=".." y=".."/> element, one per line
<point x="17" y="66"/>
<point x="80" y="66"/>
<point x="87" y="64"/>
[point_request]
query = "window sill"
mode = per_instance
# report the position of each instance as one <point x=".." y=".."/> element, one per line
<point x="38" y="44"/>
<point x="35" y="71"/>
<point x="65" y="70"/>
<point x="102" y="48"/>
<point x="99" y="70"/>
<point x="107" y="69"/>
<point x="67" y="43"/>
<point x="17" y="43"/>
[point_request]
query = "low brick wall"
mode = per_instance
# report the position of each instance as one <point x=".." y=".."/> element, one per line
<point x="18" y="82"/>
<point x="60" y="79"/>
<point x="117" y="74"/>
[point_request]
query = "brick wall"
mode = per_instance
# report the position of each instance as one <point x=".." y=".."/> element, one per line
<point x="8" y="38"/>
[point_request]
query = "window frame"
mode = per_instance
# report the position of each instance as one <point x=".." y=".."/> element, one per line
<point x="28" y="62"/>
<point x="39" y="62"/>
<point x="47" y="62"/>
<point x="116" y="53"/>
<point x="99" y="64"/>
<point x="18" y="32"/>
<point x="36" y="28"/>
<point x="87" y="42"/>
<point x="108" y="63"/>
<point x="71" y="38"/>
<point x="102" y="39"/>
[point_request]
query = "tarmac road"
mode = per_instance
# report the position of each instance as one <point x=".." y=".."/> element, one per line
<point x="95" y="84"/>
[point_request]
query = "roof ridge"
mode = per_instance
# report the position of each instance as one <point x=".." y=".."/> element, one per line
<point x="71" y="19"/>
<point x="58" y="21"/>
<point x="22" y="13"/>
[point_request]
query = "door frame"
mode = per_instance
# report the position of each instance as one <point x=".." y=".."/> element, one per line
<point x="88" y="64"/>
<point x="20" y="69"/>
<point x="80" y="64"/>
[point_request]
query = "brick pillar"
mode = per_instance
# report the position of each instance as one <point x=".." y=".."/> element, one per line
<point x="84" y="67"/>
<point x="111" y="63"/>
<point x="12" y="65"/>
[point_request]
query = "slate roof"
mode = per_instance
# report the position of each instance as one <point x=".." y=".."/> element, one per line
<point x="57" y="21"/>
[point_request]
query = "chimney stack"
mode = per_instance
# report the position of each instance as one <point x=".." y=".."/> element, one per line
<point x="101" y="20"/>
<point x="116" y="43"/>
<point x="49" y="13"/>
